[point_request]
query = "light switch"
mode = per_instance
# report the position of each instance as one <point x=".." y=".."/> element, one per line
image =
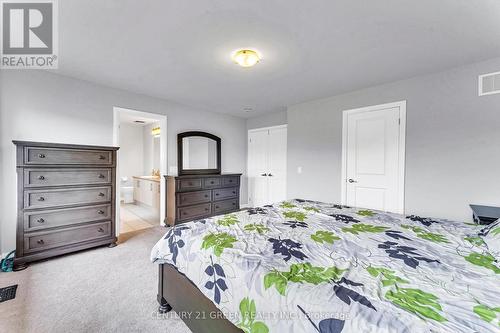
<point x="299" y="169"/>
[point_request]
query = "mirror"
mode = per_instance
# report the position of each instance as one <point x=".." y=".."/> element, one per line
<point x="198" y="153"/>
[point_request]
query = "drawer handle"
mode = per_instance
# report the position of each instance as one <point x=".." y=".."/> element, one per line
<point x="101" y="176"/>
<point x="100" y="212"/>
<point x="212" y="182"/>
<point x="40" y="220"/>
<point x="216" y="207"/>
<point x="216" y="193"/>
<point x="234" y="192"/>
<point x="41" y="177"/>
<point x="40" y="241"/>
<point x="190" y="184"/>
<point x="185" y="213"/>
<point x="234" y="203"/>
<point x="206" y="195"/>
<point x="101" y="194"/>
<point x="206" y="209"/>
<point x="100" y="230"/>
<point x="41" y="199"/>
<point x="230" y="180"/>
<point x="102" y="157"/>
<point x="41" y="155"/>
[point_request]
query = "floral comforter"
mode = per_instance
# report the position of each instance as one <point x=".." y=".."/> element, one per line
<point x="304" y="266"/>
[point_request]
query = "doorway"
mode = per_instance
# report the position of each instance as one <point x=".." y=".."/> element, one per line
<point x="141" y="162"/>
<point x="373" y="157"/>
<point x="267" y="165"/>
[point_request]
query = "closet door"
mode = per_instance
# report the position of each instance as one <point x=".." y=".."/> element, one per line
<point x="277" y="164"/>
<point x="257" y="168"/>
<point x="266" y="166"/>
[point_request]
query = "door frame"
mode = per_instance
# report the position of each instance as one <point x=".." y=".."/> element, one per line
<point x="248" y="154"/>
<point x="402" y="148"/>
<point x="163" y="157"/>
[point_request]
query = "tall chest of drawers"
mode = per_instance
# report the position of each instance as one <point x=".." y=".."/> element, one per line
<point x="199" y="196"/>
<point x="66" y="199"/>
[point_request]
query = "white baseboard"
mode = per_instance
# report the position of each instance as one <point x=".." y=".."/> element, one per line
<point x="244" y="205"/>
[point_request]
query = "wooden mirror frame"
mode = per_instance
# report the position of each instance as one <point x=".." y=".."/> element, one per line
<point x="181" y="170"/>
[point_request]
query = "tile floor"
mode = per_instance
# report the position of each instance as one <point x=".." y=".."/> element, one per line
<point x="135" y="217"/>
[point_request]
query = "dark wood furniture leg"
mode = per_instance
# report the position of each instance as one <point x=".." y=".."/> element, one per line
<point x="164" y="306"/>
<point x="20" y="266"/>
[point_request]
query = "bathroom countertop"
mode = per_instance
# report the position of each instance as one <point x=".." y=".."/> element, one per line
<point x="151" y="178"/>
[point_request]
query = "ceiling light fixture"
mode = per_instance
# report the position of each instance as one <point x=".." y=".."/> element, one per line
<point x="155" y="132"/>
<point x="246" y="58"/>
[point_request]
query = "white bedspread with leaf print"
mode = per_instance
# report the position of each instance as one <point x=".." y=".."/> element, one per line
<point x="304" y="266"/>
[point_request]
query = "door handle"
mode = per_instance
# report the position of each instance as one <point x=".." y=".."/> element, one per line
<point x="264" y="174"/>
<point x="270" y="175"/>
<point x="352" y="180"/>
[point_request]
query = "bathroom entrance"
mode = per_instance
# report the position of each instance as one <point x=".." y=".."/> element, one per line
<point x="141" y="161"/>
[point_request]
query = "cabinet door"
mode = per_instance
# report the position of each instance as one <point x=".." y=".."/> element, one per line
<point x="147" y="192"/>
<point x="257" y="168"/>
<point x="137" y="190"/>
<point x="277" y="164"/>
<point x="156" y="195"/>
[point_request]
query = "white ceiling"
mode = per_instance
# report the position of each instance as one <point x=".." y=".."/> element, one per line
<point x="180" y="50"/>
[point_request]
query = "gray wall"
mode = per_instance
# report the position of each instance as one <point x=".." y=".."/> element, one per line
<point x="41" y="106"/>
<point x="267" y="120"/>
<point x="132" y="147"/>
<point x="452" y="145"/>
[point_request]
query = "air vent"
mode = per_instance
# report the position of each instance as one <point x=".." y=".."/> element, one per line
<point x="489" y="84"/>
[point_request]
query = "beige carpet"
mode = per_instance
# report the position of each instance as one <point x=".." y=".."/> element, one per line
<point x="98" y="290"/>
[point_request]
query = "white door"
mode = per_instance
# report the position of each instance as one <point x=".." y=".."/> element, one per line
<point x="277" y="164"/>
<point x="266" y="166"/>
<point x="374" y="157"/>
<point x="257" y="168"/>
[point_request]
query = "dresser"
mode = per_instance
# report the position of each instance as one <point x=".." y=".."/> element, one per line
<point x="193" y="197"/>
<point x="66" y="199"/>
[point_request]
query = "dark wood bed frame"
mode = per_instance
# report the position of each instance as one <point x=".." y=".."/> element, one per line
<point x="176" y="292"/>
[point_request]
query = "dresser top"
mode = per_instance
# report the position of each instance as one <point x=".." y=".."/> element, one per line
<point x="205" y="175"/>
<point x="62" y="145"/>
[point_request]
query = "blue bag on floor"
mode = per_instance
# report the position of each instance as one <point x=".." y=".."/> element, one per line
<point x="7" y="264"/>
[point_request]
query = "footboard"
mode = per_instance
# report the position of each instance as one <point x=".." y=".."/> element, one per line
<point x="177" y="292"/>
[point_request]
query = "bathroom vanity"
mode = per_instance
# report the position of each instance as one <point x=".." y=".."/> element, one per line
<point x="147" y="191"/>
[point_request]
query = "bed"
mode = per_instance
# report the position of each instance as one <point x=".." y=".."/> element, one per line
<point x="306" y="266"/>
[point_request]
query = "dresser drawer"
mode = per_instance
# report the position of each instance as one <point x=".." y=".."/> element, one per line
<point x="42" y="156"/>
<point x="189" y="184"/>
<point x="191" y="198"/>
<point x="48" y="240"/>
<point x="39" y="220"/>
<point x="65" y="197"/>
<point x="212" y="182"/>
<point x="56" y="177"/>
<point x="224" y="193"/>
<point x="225" y="206"/>
<point x="230" y="181"/>
<point x="193" y="212"/>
